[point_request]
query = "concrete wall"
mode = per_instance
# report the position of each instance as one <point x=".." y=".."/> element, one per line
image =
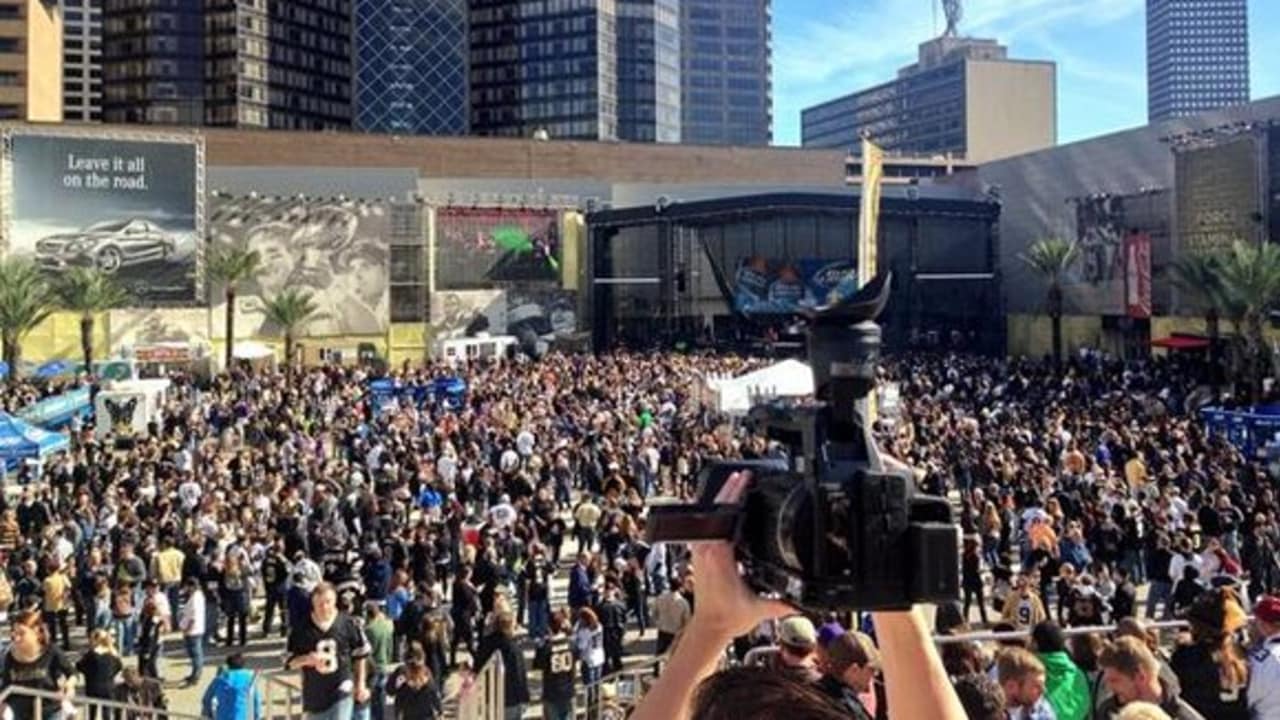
<point x="1032" y="335"/>
<point x="1010" y="108"/>
<point x="1035" y="189"/>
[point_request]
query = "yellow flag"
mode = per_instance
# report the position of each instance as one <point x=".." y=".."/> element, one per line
<point x="868" y="222"/>
<point x="869" y="216"/>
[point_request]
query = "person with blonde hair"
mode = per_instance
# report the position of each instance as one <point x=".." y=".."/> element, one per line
<point x="1132" y="673"/>
<point x="1022" y="677"/>
<point x="100" y="665"/>
<point x="1142" y="711"/>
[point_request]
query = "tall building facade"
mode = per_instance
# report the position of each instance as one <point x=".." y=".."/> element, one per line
<point x="250" y="63"/>
<point x="153" y="62"/>
<point x="964" y="98"/>
<point x="81" y="60"/>
<point x="30" y="61"/>
<point x="649" y="70"/>
<point x="538" y="66"/>
<point x="1197" y="56"/>
<point x="411" y="66"/>
<point x="726" y="72"/>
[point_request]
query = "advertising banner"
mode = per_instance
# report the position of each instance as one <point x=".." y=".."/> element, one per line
<point x="127" y="207"/>
<point x="767" y="286"/>
<point x="58" y="409"/>
<point x="479" y="248"/>
<point x="530" y="313"/>
<point x="336" y="248"/>
<point x="1138" y="275"/>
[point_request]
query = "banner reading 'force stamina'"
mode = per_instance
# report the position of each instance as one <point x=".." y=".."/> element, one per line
<point x="126" y="207"/>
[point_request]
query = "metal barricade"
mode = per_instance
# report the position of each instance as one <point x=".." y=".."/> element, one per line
<point x="1066" y="631"/>
<point x="281" y="687"/>
<point x="484" y="695"/>
<point x="86" y="706"/>
<point x="615" y="695"/>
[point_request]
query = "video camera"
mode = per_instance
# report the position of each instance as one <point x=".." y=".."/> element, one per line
<point x="830" y="526"/>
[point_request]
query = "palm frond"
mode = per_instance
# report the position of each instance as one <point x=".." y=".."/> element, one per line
<point x="232" y="265"/>
<point x="291" y="309"/>
<point x="88" y="291"/>
<point x="26" y="298"/>
<point x="1051" y="257"/>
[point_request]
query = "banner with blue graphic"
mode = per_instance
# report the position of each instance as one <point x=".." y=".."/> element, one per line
<point x="769" y="286"/>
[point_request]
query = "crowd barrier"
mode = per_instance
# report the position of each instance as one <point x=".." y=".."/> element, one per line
<point x="483" y="697"/>
<point x="86" y="707"/>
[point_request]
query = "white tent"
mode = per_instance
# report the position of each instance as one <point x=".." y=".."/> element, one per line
<point x="789" y="378"/>
<point x="251" y="350"/>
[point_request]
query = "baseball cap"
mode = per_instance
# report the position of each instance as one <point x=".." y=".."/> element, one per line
<point x="797" y="631"/>
<point x="828" y="632"/>
<point x="1267" y="609"/>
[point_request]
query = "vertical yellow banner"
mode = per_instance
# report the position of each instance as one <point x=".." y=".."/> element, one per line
<point x="869" y="215"/>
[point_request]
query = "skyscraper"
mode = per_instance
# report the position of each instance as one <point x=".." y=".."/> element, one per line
<point x="649" y="70"/>
<point x="726" y="78"/>
<point x="544" y="66"/>
<point x="964" y="97"/>
<point x="30" y="61"/>
<point x="243" y="63"/>
<point x="81" y="60"/>
<point x="1197" y="56"/>
<point x="411" y="66"/>
<point x="153" y="62"/>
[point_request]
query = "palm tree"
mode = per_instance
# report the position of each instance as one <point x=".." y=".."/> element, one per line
<point x="291" y="310"/>
<point x="1196" y="274"/>
<point x="1051" y="258"/>
<point x="230" y="266"/>
<point x="89" y="291"/>
<point x="25" y="301"/>
<point x="1249" y="284"/>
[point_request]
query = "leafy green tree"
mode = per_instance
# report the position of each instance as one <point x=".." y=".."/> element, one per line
<point x="230" y="267"/>
<point x="25" y="301"/>
<point x="1051" y="258"/>
<point x="290" y="311"/>
<point x="88" y="291"/>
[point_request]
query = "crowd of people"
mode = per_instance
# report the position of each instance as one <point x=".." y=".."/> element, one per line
<point x="396" y="544"/>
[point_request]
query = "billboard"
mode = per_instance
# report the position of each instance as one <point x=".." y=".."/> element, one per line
<point x="479" y="248"/>
<point x="1219" y="200"/>
<point x="765" y="285"/>
<point x="126" y="206"/>
<point x="336" y="248"/>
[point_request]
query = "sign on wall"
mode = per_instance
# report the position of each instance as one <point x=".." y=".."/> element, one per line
<point x="335" y="248"/>
<point x="130" y="208"/>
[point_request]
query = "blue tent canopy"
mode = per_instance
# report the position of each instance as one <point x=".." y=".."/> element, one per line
<point x="52" y="369"/>
<point x="21" y="441"/>
<point x="4" y="369"/>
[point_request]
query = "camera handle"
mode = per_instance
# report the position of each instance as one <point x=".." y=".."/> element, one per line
<point x="693" y="523"/>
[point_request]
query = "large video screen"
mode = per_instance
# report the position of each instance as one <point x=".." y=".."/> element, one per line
<point x="1218" y="195"/>
<point x="478" y="248"/>
<point x="127" y="207"/>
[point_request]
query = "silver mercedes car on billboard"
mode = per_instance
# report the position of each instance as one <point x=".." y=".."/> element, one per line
<point x="107" y="245"/>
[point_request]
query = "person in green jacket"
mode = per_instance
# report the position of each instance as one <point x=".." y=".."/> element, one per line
<point x="1066" y="687"/>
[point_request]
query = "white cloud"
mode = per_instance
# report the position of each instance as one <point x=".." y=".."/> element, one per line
<point x="866" y="41"/>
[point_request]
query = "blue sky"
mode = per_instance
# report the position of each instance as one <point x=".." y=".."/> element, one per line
<point x="827" y="48"/>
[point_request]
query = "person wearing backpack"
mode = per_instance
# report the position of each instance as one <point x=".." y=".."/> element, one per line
<point x="233" y="694"/>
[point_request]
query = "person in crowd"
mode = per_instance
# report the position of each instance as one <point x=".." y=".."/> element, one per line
<point x="797" y="654"/>
<point x="150" y="629"/>
<point x="515" y="674"/>
<point x="1132" y="674"/>
<point x="99" y="665"/>
<point x="555" y="660"/>
<point x="971" y="580"/>
<point x="1212" y="669"/>
<point x="671" y="614"/>
<point x="850" y="668"/>
<point x="1264" y="659"/>
<point x="588" y="646"/>
<point x="1065" y="686"/>
<point x="330" y="650"/>
<point x="414" y="689"/>
<point x="1022" y="678"/>
<point x="33" y="661"/>
<point x="1024" y="606"/>
<point x="192" y="625"/>
<point x="234" y="693"/>
<point x="981" y="697"/>
<point x="56" y="595"/>
<point x="380" y="632"/>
